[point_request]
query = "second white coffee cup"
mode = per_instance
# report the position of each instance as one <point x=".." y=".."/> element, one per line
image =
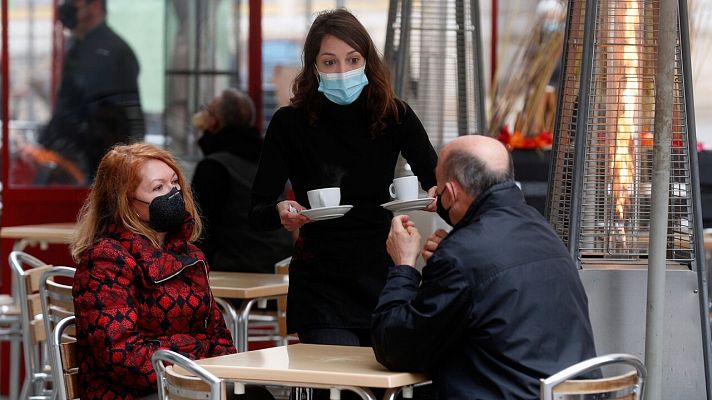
<point x="404" y="188"/>
<point x="326" y="197"/>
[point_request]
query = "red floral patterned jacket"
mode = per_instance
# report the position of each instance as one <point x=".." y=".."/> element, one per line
<point x="132" y="299"/>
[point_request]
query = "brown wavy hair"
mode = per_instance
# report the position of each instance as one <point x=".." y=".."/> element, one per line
<point x="381" y="99"/>
<point x="109" y="201"/>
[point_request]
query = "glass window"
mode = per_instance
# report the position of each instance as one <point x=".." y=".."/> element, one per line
<point x="139" y="73"/>
<point x="30" y="103"/>
<point x="80" y="85"/>
<point x="203" y="56"/>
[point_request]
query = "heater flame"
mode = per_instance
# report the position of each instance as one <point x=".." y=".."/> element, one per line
<point x="626" y="130"/>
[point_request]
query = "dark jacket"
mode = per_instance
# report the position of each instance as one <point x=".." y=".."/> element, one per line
<point x="222" y="184"/>
<point x="500" y="305"/>
<point x="98" y="102"/>
<point x="132" y="299"/>
<point x="339" y="265"/>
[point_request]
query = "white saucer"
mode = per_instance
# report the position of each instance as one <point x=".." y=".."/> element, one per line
<point x="406" y="205"/>
<point x="324" y="213"/>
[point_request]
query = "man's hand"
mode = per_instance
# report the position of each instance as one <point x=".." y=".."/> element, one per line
<point x="403" y="241"/>
<point x="432" y="244"/>
<point x="289" y="215"/>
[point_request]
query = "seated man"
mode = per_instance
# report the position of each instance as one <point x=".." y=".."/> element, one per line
<point x="500" y="303"/>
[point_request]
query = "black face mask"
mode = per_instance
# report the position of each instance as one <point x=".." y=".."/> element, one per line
<point x="67" y="14"/>
<point x="443" y="212"/>
<point x="166" y="212"/>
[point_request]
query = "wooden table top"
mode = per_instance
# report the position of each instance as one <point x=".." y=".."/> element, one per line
<point x="309" y="364"/>
<point x="245" y="285"/>
<point x="52" y="233"/>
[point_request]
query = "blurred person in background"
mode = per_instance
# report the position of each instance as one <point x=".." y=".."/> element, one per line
<point x="98" y="103"/>
<point x="222" y="185"/>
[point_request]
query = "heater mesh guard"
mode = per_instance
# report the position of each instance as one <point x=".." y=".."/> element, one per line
<point x="616" y="171"/>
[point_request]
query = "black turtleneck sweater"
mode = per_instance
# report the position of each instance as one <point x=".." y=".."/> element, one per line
<point x="338" y="266"/>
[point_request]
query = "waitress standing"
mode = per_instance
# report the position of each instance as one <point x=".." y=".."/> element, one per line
<point x="344" y="128"/>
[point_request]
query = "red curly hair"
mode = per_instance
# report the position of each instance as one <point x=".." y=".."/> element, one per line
<point x="109" y="201"/>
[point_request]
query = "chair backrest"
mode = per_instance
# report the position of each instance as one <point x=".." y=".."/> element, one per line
<point x="282" y="268"/>
<point x="175" y="385"/>
<point x="627" y="386"/>
<point x="65" y="366"/>
<point x="56" y="296"/>
<point x="27" y="271"/>
<point x="57" y="304"/>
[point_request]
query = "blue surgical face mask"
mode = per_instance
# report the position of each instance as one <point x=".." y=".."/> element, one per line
<point x="343" y="88"/>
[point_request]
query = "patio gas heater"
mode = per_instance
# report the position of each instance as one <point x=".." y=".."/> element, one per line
<point x="434" y="49"/>
<point x="600" y="185"/>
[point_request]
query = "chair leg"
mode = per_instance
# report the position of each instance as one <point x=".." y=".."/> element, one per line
<point x="14" y="368"/>
<point x="303" y="393"/>
<point x="24" y="393"/>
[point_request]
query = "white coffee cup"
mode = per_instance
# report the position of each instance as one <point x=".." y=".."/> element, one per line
<point x="404" y="188"/>
<point x="326" y="197"/>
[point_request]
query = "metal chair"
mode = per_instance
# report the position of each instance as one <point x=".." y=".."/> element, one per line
<point x="11" y="331"/>
<point x="174" y="385"/>
<point x="57" y="302"/>
<point x="627" y="386"/>
<point x="65" y="366"/>
<point x="27" y="271"/>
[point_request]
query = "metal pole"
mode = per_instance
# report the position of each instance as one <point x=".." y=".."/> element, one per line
<point x="493" y="41"/>
<point x="701" y="268"/>
<point x="479" y="83"/>
<point x="557" y="118"/>
<point x="388" y="49"/>
<point x="657" y="247"/>
<point x="461" y="68"/>
<point x="582" y="127"/>
<point x="30" y="98"/>
<point x="5" y="101"/>
<point x="402" y="58"/>
<point x="236" y="14"/>
<point x="254" y="67"/>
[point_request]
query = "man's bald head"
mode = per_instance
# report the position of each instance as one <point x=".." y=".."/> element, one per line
<point x="476" y="163"/>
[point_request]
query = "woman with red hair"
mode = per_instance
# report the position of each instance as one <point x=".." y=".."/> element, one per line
<point x="140" y="285"/>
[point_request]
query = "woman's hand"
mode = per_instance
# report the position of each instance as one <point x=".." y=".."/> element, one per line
<point x="289" y="215"/>
<point x="432" y="244"/>
<point x="432" y="192"/>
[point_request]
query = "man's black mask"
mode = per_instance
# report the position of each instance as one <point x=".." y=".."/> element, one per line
<point x="443" y="212"/>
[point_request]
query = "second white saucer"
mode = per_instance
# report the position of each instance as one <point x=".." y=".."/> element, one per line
<point x="406" y="205"/>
